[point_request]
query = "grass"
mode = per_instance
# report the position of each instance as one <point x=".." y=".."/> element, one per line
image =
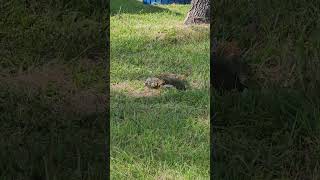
<point x="52" y="93"/>
<point x="272" y="130"/>
<point x="158" y="134"/>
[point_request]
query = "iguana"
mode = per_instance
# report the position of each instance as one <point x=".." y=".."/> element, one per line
<point x="167" y="80"/>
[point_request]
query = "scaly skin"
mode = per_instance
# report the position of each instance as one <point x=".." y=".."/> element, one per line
<point x="167" y="81"/>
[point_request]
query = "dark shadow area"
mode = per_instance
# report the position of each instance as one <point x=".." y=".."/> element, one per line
<point x="134" y="7"/>
<point x="47" y="134"/>
<point x="271" y="131"/>
<point x="41" y="32"/>
<point x="280" y="44"/>
<point x="52" y="125"/>
<point x="266" y="134"/>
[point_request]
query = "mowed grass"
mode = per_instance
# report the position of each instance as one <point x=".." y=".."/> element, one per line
<point x="272" y="130"/>
<point x="52" y="89"/>
<point x="158" y="134"/>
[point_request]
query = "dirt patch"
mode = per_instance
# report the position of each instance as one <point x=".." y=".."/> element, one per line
<point x="132" y="91"/>
<point x="55" y="81"/>
<point x="41" y="78"/>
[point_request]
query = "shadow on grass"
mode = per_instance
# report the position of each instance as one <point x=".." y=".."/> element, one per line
<point x="133" y="7"/>
<point x="281" y="43"/>
<point x="42" y="135"/>
<point x="42" y="28"/>
<point x="267" y="134"/>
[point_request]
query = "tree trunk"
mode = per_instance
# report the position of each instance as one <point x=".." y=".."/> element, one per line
<point x="199" y="12"/>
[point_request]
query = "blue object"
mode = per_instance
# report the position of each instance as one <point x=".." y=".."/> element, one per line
<point x="166" y="1"/>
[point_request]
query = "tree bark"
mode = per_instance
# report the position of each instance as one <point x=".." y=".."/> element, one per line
<point x="199" y="12"/>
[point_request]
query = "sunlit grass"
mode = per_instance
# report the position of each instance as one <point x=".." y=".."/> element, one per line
<point x="164" y="135"/>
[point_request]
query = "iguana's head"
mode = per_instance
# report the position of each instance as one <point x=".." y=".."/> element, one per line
<point x="153" y="82"/>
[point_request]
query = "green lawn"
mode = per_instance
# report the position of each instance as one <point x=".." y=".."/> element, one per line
<point x="53" y="84"/>
<point x="271" y="131"/>
<point x="158" y="134"/>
